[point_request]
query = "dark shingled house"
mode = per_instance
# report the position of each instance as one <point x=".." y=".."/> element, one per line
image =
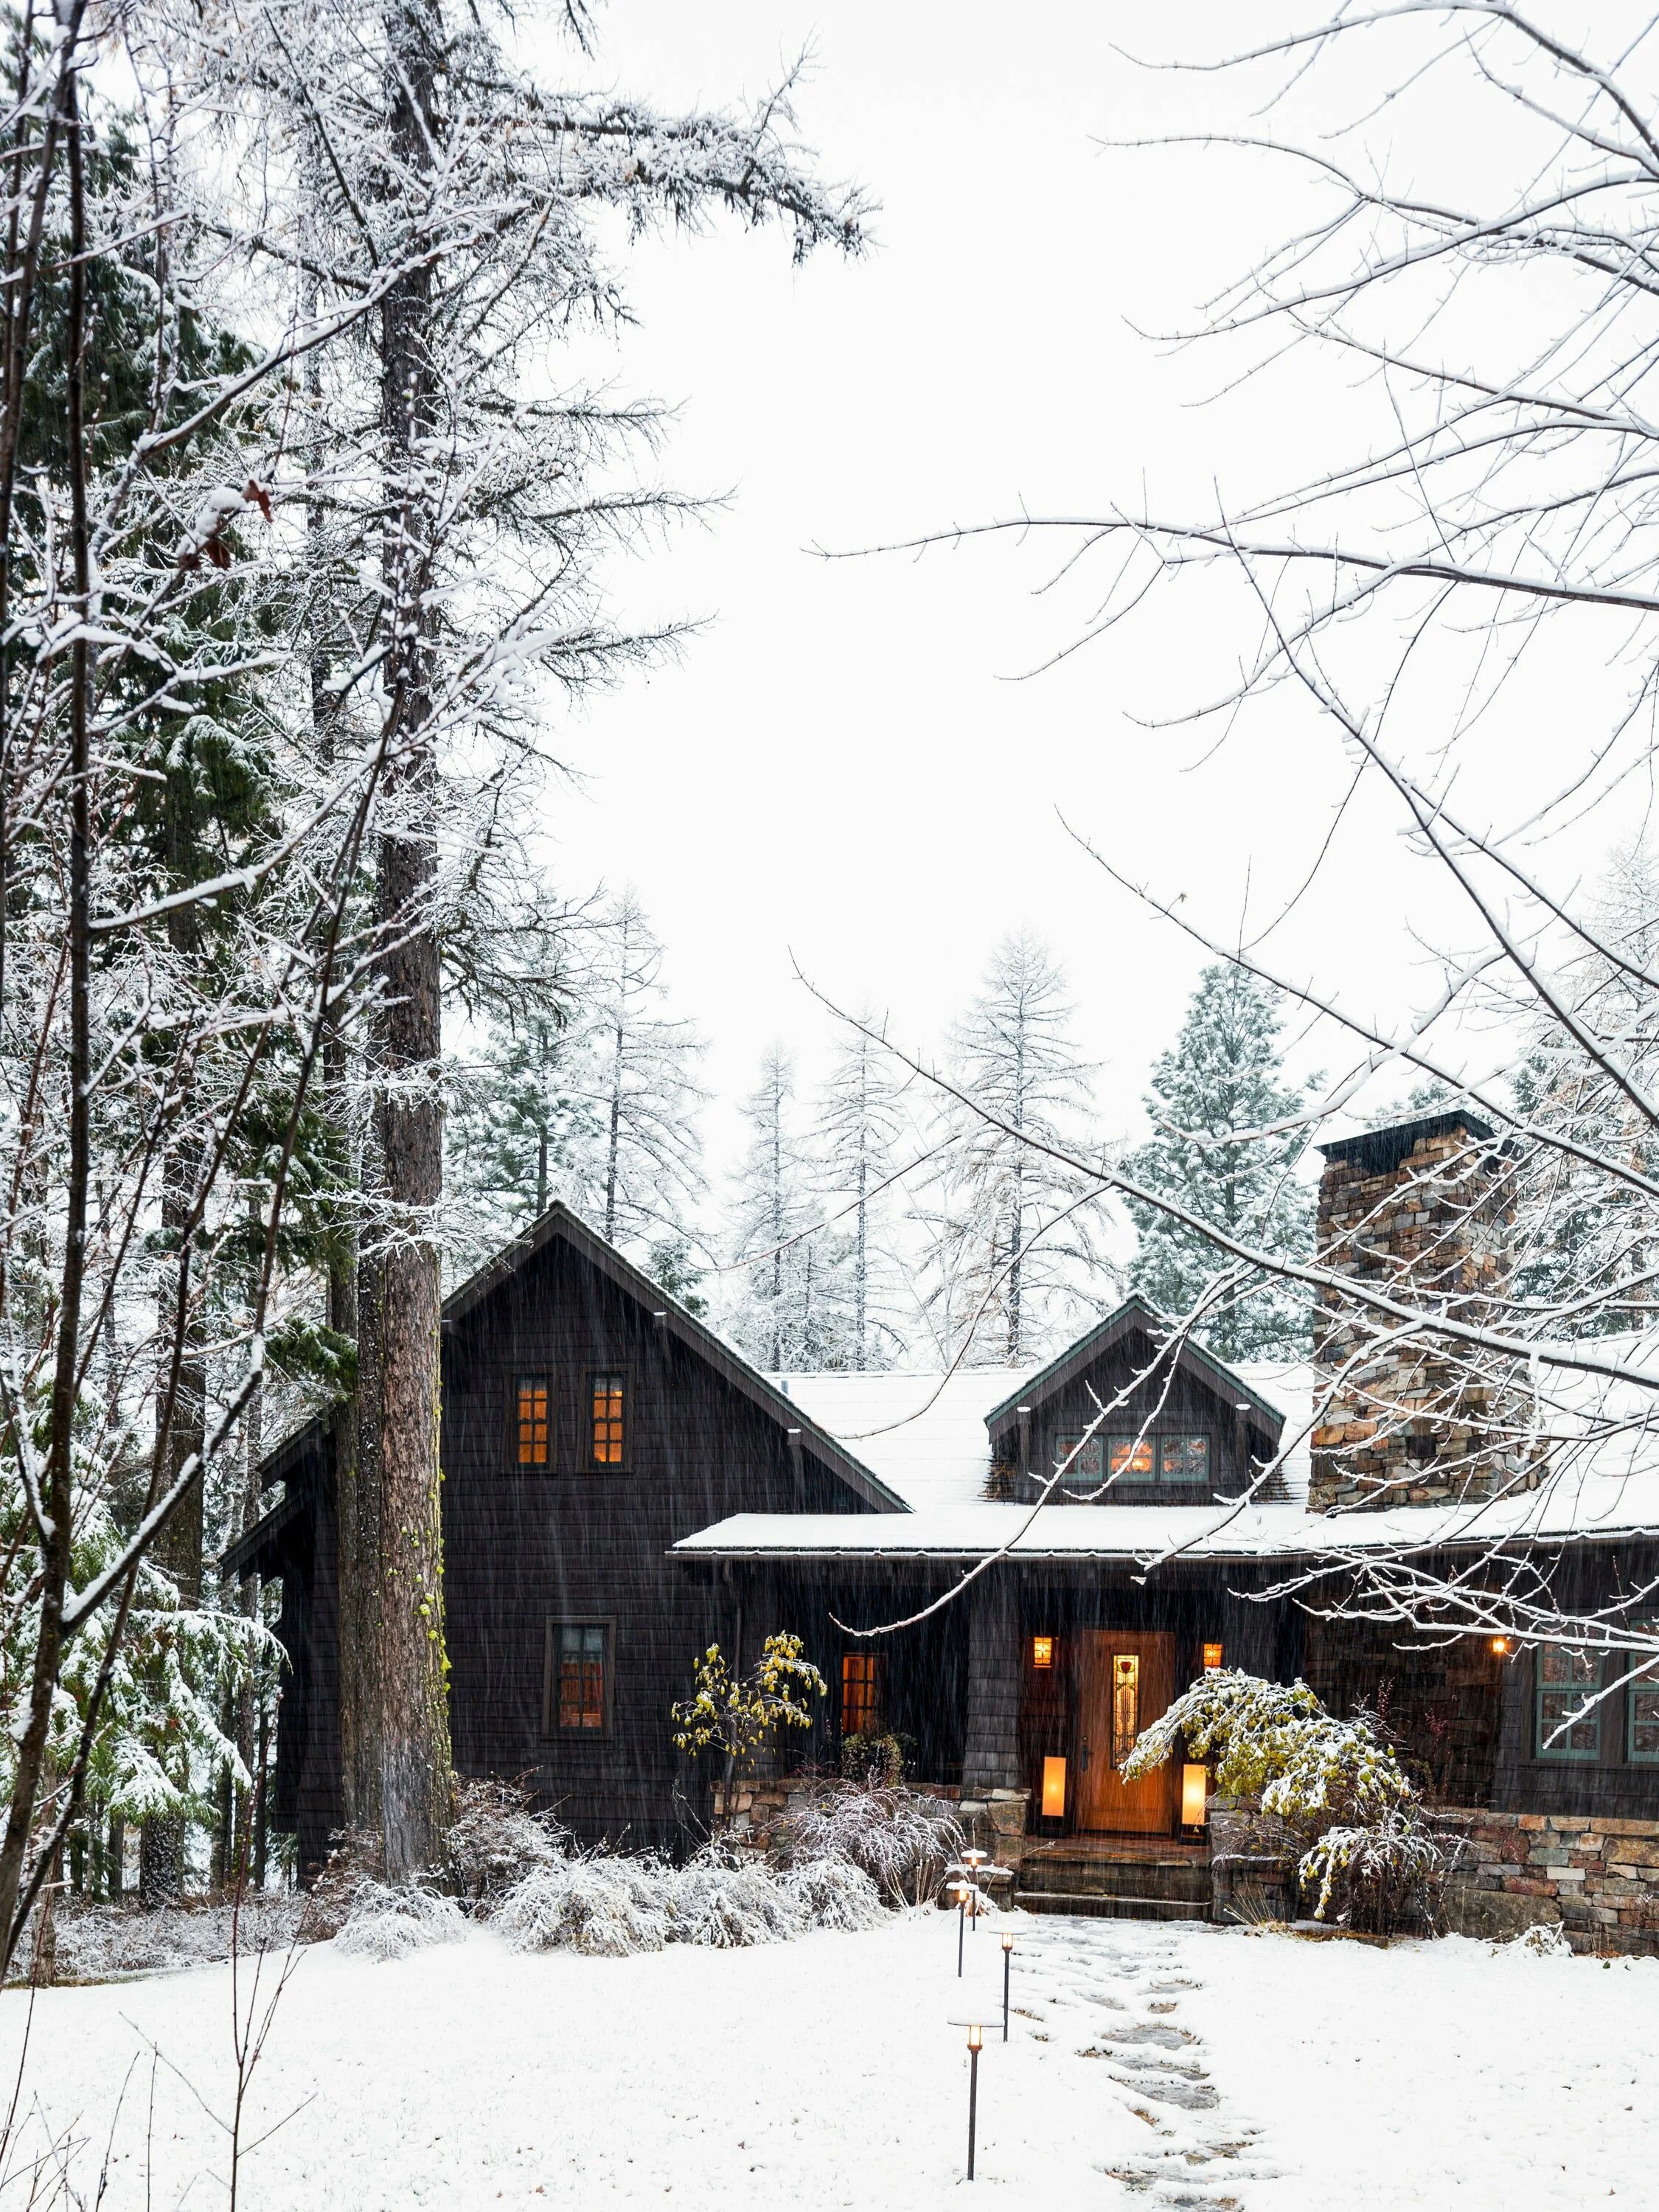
<point x="622" y="1490"/>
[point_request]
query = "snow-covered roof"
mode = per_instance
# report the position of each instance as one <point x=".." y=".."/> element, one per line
<point x="925" y="1434"/>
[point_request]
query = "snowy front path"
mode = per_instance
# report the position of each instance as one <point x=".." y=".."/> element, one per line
<point x="1148" y="2066"/>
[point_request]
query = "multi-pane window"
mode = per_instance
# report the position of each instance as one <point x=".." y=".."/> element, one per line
<point x="1152" y="1459"/>
<point x="534" y="1421"/>
<point x="861" y="1693"/>
<point x="1089" y="1466"/>
<point x="579" y="1667"/>
<point x="1642" y="1729"/>
<point x="607" y="1418"/>
<point x="1565" y="1679"/>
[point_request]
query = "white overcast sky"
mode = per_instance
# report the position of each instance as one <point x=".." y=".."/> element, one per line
<point x="843" y="766"/>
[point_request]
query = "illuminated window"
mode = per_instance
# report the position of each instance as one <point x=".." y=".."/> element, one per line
<point x="1054" y="1788"/>
<point x="607" y="1395"/>
<point x="1089" y="1466"/>
<point x="1565" y="1679"/>
<point x="1213" y="1658"/>
<point x="861" y="1693"/>
<point x="1126" y="1704"/>
<point x="1132" y="1459"/>
<point x="1642" y="1729"/>
<point x="534" y="1422"/>
<point x="1184" y="1459"/>
<point x="1043" y="1651"/>
<point x="578" y="1656"/>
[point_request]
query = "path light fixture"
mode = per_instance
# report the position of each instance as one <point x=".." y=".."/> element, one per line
<point x="975" y="2039"/>
<point x="974" y="1860"/>
<point x="962" y="1922"/>
<point x="1007" y="1961"/>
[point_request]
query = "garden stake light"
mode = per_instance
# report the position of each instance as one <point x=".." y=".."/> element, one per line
<point x="1007" y="1961"/>
<point x="974" y="2040"/>
<point x="974" y="1860"/>
<point x="962" y="1922"/>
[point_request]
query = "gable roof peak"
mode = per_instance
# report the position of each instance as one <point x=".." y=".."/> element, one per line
<point x="1136" y="1311"/>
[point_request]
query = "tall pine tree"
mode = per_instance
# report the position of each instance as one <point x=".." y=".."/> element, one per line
<point x="1221" y="1084"/>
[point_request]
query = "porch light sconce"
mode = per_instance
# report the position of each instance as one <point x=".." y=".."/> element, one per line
<point x="1054" y="1788"/>
<point x="1194" y="1793"/>
<point x="1043" y="1651"/>
<point x="1500" y="1646"/>
<point x="1213" y="1658"/>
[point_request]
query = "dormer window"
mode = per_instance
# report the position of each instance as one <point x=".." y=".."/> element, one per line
<point x="1089" y="1466"/>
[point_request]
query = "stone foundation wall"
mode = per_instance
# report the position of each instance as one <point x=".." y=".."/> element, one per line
<point x="1599" y="1879"/>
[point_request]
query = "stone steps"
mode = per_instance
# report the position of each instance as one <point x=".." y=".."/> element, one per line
<point x="1183" y="1881"/>
<point x="1109" y="1905"/>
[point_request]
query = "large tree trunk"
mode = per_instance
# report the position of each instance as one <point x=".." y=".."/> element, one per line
<point x="397" y="1477"/>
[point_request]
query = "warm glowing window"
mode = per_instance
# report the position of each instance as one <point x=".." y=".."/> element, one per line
<point x="1213" y="1658"/>
<point x="1043" y="1651"/>
<point x="607" y="1421"/>
<point x="1132" y="1459"/>
<point x="1565" y="1679"/>
<point x="534" y="1399"/>
<point x="579" y="1667"/>
<point x="1126" y="1704"/>
<point x="861" y="1693"/>
<point x="1054" y="1788"/>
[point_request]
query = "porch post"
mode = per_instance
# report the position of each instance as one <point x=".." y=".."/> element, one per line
<point x="990" y="1751"/>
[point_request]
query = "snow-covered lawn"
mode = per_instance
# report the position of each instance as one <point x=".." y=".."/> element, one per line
<point x="1177" y="2066"/>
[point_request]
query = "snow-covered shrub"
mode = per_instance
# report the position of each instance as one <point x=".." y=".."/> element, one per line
<point x="728" y="1902"/>
<point x="386" y="1921"/>
<point x="1545" y="1939"/>
<point x="497" y="1840"/>
<point x="1354" y="1816"/>
<point x="608" y="1907"/>
<point x="833" y="1894"/>
<point x="97" y="1942"/>
<point x="1380" y="1877"/>
<point x="902" y="1840"/>
<point x="1242" y="1726"/>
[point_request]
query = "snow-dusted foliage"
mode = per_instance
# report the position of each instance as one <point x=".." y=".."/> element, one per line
<point x="496" y="1840"/>
<point x="833" y="1892"/>
<point x="1335" y="1784"/>
<point x="727" y="1904"/>
<point x="607" y="1906"/>
<point x="385" y="1920"/>
<point x="99" y="1942"/>
<point x="1213" y="1095"/>
<point x="904" y="1842"/>
<point x="1545" y="1939"/>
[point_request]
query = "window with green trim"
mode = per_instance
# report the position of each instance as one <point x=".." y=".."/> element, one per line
<point x="1642" y="1711"/>
<point x="1565" y="1679"/>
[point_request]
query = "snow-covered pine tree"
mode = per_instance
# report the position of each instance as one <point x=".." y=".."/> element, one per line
<point x="1011" y="1237"/>
<point x="641" y="1176"/>
<point x="519" y="1118"/>
<point x="1585" y="1241"/>
<point x="1216" y="1098"/>
<point x="860" y="1120"/>
<point x="791" y="1306"/>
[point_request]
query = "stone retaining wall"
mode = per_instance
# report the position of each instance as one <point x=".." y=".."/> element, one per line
<point x="1599" y="1879"/>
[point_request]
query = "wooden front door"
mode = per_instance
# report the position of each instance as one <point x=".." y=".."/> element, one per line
<point x="1127" y="1681"/>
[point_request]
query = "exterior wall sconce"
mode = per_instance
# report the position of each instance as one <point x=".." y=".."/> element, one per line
<point x="1500" y="1646"/>
<point x="1043" y="1651"/>
<point x="1213" y="1658"/>
<point x="1054" y="1788"/>
<point x="1195" y="1792"/>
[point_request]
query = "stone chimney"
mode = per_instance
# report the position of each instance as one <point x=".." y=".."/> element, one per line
<point x="1421" y="1213"/>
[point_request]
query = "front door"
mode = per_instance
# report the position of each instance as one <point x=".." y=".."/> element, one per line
<point x="1127" y="1681"/>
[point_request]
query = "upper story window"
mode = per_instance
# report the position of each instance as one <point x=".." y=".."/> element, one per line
<point x="1137" y="1459"/>
<point x="532" y="1437"/>
<point x="609" y="1431"/>
<point x="1565" y="1679"/>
